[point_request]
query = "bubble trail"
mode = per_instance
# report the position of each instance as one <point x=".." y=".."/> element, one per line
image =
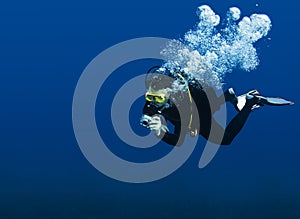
<point x="208" y="52"/>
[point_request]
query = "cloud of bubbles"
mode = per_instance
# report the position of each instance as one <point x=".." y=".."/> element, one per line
<point x="208" y="52"/>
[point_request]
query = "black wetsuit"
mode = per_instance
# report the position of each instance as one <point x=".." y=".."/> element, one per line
<point x="204" y="123"/>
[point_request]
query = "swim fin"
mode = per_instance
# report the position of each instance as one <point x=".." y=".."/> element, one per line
<point x="261" y="100"/>
<point x="273" y="101"/>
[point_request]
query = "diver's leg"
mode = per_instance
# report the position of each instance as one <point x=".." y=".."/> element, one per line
<point x="228" y="96"/>
<point x="237" y="123"/>
<point x="215" y="102"/>
<point x="216" y="132"/>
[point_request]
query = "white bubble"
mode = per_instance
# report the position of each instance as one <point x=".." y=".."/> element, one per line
<point x="235" y="13"/>
<point x="255" y="27"/>
<point x="207" y="16"/>
<point x="207" y="53"/>
<point x="204" y="9"/>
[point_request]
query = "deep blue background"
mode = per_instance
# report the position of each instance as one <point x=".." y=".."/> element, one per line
<point x="44" y="47"/>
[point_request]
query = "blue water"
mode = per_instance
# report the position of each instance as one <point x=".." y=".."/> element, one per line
<point x="44" y="48"/>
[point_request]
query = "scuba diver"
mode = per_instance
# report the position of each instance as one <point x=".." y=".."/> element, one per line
<point x="189" y="106"/>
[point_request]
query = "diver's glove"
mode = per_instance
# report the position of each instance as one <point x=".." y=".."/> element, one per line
<point x="157" y="124"/>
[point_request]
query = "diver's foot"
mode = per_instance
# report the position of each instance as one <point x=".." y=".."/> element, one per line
<point x="246" y="99"/>
<point x="253" y="100"/>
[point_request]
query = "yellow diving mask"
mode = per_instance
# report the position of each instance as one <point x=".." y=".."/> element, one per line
<point x="159" y="98"/>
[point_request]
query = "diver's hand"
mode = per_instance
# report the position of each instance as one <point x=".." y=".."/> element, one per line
<point x="157" y="126"/>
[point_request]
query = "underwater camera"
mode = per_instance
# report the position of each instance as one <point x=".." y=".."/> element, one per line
<point x="145" y="119"/>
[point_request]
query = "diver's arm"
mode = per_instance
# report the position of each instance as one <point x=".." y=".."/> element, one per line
<point x="158" y="126"/>
<point x="181" y="124"/>
<point x="173" y="138"/>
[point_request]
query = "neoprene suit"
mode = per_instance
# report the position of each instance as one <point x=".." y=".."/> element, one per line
<point x="207" y="104"/>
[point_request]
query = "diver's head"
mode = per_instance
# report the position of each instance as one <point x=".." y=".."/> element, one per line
<point x="158" y="97"/>
<point x="159" y="88"/>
